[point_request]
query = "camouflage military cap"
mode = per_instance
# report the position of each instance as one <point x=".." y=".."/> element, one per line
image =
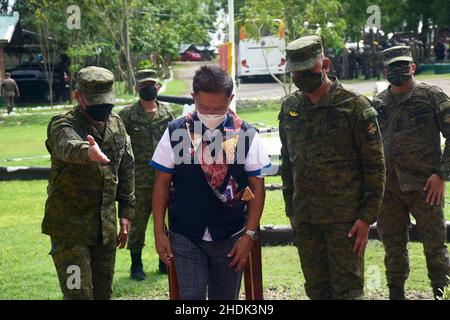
<point x="146" y="75"/>
<point x="302" y="53"/>
<point x="397" y="53"/>
<point x="97" y="84"/>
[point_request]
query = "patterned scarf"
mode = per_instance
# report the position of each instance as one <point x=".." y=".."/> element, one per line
<point x="216" y="168"/>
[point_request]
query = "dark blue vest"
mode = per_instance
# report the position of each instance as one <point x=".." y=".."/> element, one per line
<point x="194" y="205"/>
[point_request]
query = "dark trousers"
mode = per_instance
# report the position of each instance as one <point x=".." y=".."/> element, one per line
<point x="9" y="103"/>
<point x="84" y="272"/>
<point x="202" y="269"/>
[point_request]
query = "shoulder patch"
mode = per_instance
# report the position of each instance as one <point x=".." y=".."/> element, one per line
<point x="444" y="106"/>
<point x="369" y="113"/>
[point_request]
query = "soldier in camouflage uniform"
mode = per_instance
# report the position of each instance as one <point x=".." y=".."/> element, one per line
<point x="378" y="62"/>
<point x="333" y="173"/>
<point x="367" y="61"/>
<point x="92" y="168"/>
<point x="10" y="91"/>
<point x="412" y="115"/>
<point x="145" y="121"/>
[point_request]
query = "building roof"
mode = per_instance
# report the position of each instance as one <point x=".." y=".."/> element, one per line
<point x="8" y="23"/>
<point x="185" y="47"/>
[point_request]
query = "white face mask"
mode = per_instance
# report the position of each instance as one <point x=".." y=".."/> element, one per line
<point x="211" y="121"/>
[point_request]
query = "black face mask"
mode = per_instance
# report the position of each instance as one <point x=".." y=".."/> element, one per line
<point x="398" y="74"/>
<point x="308" y="81"/>
<point x="100" y="112"/>
<point x="148" y="93"/>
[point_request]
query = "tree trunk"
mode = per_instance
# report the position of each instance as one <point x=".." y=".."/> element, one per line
<point x="129" y="68"/>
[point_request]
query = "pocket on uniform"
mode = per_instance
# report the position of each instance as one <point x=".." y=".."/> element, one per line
<point x="421" y="115"/>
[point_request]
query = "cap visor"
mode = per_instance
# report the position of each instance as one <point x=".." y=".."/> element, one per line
<point x="101" y="98"/>
<point x="408" y="59"/>
<point x="148" y="79"/>
<point x="301" y="66"/>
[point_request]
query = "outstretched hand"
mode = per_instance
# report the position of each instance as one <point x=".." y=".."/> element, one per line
<point x="94" y="152"/>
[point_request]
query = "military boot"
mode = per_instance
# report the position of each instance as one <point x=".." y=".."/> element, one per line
<point x="137" y="269"/>
<point x="396" y="293"/>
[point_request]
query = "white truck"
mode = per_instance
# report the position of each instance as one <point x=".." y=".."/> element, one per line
<point x="261" y="57"/>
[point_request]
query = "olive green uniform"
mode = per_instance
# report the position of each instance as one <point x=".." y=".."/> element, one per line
<point x="333" y="174"/>
<point x="145" y="131"/>
<point x="9" y="90"/>
<point x="413" y="153"/>
<point x="80" y="212"/>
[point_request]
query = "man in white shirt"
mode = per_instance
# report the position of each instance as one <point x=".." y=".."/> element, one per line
<point x="214" y="162"/>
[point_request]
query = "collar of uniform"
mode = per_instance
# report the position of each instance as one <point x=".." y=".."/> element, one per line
<point x="140" y="114"/>
<point x="91" y="129"/>
<point x="328" y="99"/>
<point x="404" y="97"/>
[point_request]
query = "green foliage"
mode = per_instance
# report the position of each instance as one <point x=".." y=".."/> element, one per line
<point x="322" y="17"/>
<point x="117" y="34"/>
<point x="145" y="64"/>
<point x="338" y="20"/>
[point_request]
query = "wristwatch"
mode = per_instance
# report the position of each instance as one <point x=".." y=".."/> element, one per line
<point x="252" y="234"/>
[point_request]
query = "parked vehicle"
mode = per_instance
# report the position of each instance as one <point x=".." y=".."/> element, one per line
<point x="261" y="58"/>
<point x="190" y="56"/>
<point x="33" y="83"/>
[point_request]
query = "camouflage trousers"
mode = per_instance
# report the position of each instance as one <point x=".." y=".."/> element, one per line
<point x="84" y="272"/>
<point x="331" y="269"/>
<point x="142" y="211"/>
<point x="393" y="225"/>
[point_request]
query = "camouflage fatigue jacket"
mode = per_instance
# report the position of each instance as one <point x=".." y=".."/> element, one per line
<point x="413" y="144"/>
<point x="145" y="134"/>
<point x="81" y="194"/>
<point x="332" y="158"/>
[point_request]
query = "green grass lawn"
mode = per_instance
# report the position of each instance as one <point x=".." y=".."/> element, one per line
<point x="23" y="141"/>
<point x="268" y="116"/>
<point x="175" y="88"/>
<point x="27" y="271"/>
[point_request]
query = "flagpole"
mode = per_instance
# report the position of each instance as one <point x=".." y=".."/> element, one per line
<point x="231" y="38"/>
